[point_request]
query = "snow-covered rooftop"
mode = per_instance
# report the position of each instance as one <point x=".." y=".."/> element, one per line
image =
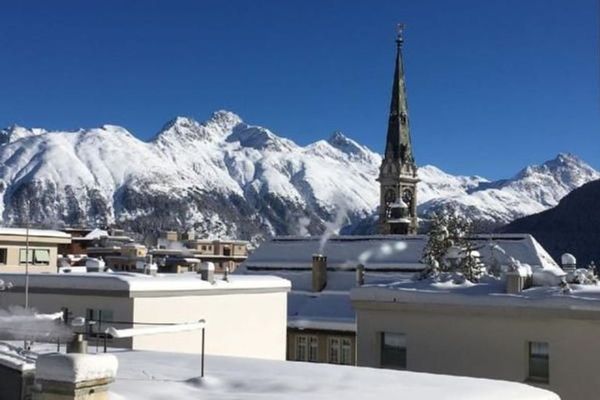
<point x="134" y="283"/>
<point x="384" y="252"/>
<point x="16" y="358"/>
<point x="34" y="233"/>
<point x="146" y="375"/>
<point x="490" y="292"/>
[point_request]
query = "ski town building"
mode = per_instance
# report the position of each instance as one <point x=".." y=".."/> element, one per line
<point x="538" y="326"/>
<point x="182" y="252"/>
<point x="34" y="249"/>
<point x="245" y="316"/>
<point x="321" y="320"/>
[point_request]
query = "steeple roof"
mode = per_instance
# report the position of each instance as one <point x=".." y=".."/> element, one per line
<point x="398" y="146"/>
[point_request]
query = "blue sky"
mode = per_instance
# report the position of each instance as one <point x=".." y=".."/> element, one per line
<point x="492" y="85"/>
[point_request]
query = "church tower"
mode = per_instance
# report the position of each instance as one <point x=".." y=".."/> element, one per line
<point x="398" y="171"/>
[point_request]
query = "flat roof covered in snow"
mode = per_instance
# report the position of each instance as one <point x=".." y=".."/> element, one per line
<point x="61" y="237"/>
<point x="127" y="284"/>
<point x="144" y="375"/>
<point x="489" y="295"/>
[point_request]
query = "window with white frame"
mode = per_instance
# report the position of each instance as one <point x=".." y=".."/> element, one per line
<point x="301" y="348"/>
<point x="539" y="361"/>
<point x="313" y="348"/>
<point x="333" y="350"/>
<point x="339" y="350"/>
<point x="393" y="350"/>
<point x="346" y="352"/>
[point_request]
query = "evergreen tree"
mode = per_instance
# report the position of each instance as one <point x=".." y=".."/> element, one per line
<point x="470" y="265"/>
<point x="447" y="229"/>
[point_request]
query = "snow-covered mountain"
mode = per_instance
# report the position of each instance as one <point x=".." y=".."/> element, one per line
<point x="534" y="189"/>
<point x="224" y="177"/>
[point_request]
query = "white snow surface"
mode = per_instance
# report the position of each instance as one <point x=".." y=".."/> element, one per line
<point x="75" y="368"/>
<point x="14" y="357"/>
<point x="81" y="169"/>
<point x="145" y="375"/>
<point x="155" y="376"/>
<point x="490" y="292"/>
<point x="136" y="282"/>
<point x="34" y="233"/>
<point x="392" y="252"/>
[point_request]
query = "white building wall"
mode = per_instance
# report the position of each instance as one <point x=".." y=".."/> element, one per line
<point x="242" y="325"/>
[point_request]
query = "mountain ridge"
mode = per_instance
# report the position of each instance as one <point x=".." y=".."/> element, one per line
<point x="224" y="177"/>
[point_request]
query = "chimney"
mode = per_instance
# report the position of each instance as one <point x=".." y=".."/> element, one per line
<point x="568" y="262"/>
<point x="207" y="272"/>
<point x="515" y="282"/>
<point x="360" y="275"/>
<point x="319" y="272"/>
<point x="74" y="376"/>
<point x="77" y="345"/>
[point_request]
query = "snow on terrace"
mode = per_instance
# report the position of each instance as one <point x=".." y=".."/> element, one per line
<point x="146" y="375"/>
<point x="133" y="282"/>
<point x="153" y="376"/>
<point x="490" y="291"/>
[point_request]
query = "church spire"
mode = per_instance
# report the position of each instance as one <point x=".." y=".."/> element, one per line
<point x="398" y="172"/>
<point x="398" y="146"/>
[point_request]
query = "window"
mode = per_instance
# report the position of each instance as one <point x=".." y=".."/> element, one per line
<point x="307" y="348"/>
<point x="41" y="256"/>
<point x="101" y="320"/>
<point x="313" y="348"/>
<point x="339" y="351"/>
<point x="346" y="353"/>
<point x="3" y="256"/>
<point x="104" y="316"/>
<point x="35" y="256"/>
<point x="24" y="257"/>
<point x="301" y="352"/>
<point x="393" y="350"/>
<point x="539" y="365"/>
<point x="334" y="350"/>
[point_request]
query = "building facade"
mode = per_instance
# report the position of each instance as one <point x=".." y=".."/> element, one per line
<point x="398" y="172"/>
<point x="543" y="339"/>
<point x="42" y="245"/>
<point x="183" y="252"/>
<point x="245" y="316"/>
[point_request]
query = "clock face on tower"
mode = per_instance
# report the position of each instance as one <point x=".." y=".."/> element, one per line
<point x="407" y="197"/>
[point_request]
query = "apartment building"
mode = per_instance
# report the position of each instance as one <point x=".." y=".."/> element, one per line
<point x="183" y="251"/>
<point x="245" y="315"/>
<point x="42" y="245"/>
<point x="545" y="336"/>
